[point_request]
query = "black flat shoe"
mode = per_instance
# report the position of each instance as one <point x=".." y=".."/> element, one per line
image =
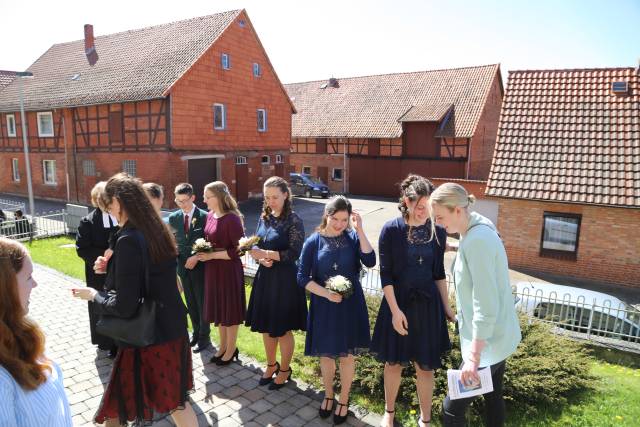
<point x="222" y="362"/>
<point x="265" y="381"/>
<point x="201" y="346"/>
<point x="339" y="419"/>
<point x="324" y="413"/>
<point x="275" y="386"/>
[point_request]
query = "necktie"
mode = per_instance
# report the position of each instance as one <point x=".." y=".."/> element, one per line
<point x="186" y="224"/>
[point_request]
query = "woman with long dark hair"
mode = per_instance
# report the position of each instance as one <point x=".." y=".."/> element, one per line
<point x="411" y="325"/>
<point x="150" y="381"/>
<point x="224" y="298"/>
<point x="31" y="385"/>
<point x="277" y="304"/>
<point x="337" y="327"/>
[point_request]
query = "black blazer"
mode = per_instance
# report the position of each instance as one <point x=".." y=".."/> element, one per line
<point x="125" y="284"/>
<point x="92" y="239"/>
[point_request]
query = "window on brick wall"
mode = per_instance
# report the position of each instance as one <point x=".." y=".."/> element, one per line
<point x="257" y="70"/>
<point x="11" y="125"/>
<point x="336" y="174"/>
<point x="130" y="167"/>
<point x="219" y="117"/>
<point x="49" y="172"/>
<point x="45" y="124"/>
<point x="15" y="172"/>
<point x="225" y="60"/>
<point x="560" y="235"/>
<point x="262" y="120"/>
<point x="279" y="158"/>
<point x="241" y="160"/>
<point x="306" y="170"/>
<point x="89" y="167"/>
<point x="265" y="160"/>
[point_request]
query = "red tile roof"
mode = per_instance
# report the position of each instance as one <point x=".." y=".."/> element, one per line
<point x="426" y="113"/>
<point x="133" y="65"/>
<point x="565" y="137"/>
<point x="371" y="106"/>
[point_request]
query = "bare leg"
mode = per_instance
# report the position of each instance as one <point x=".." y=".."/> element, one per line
<point x="232" y="337"/>
<point x="392" y="378"/>
<point x="328" y="369"/>
<point x="222" y="332"/>
<point x="287" y="344"/>
<point x="185" y="417"/>
<point x="270" y="348"/>
<point x="424" y="387"/>
<point x="347" y="372"/>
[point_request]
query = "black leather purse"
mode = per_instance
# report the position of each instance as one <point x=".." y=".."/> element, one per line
<point x="140" y="329"/>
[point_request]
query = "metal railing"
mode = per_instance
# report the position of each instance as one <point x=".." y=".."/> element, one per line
<point x="11" y="205"/>
<point x="590" y="319"/>
<point x="38" y="227"/>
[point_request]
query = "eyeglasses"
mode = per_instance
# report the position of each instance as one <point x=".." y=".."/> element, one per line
<point x="181" y="202"/>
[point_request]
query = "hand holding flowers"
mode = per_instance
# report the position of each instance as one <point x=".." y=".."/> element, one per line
<point x="247" y="243"/>
<point x="339" y="285"/>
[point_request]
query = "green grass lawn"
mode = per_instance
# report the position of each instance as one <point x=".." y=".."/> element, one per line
<point x="615" y="402"/>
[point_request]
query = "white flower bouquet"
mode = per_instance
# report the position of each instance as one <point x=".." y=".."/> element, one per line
<point x="247" y="243"/>
<point x="340" y="285"/>
<point x="201" y="245"/>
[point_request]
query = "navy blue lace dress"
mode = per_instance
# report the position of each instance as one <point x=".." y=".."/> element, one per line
<point x="335" y="329"/>
<point x="277" y="304"/>
<point x="417" y="296"/>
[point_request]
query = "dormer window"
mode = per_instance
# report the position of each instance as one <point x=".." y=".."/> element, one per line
<point x="620" y="87"/>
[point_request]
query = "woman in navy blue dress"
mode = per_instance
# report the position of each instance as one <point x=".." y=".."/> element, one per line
<point x="277" y="304"/>
<point x="337" y="327"/>
<point x="411" y="325"/>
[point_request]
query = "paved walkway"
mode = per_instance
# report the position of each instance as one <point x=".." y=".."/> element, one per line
<point x="224" y="396"/>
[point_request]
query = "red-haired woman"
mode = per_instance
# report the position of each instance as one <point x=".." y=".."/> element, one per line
<point x="30" y="384"/>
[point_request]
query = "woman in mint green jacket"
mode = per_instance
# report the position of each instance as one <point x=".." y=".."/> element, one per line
<point x="488" y="324"/>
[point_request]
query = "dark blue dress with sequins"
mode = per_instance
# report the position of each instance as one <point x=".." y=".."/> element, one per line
<point x="335" y="329"/>
<point x="277" y="304"/>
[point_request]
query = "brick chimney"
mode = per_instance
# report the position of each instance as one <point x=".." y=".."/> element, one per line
<point x="89" y="45"/>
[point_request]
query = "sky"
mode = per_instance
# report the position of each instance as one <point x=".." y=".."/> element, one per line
<point x="314" y="40"/>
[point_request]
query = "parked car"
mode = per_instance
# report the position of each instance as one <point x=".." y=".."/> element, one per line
<point x="578" y="309"/>
<point x="307" y="185"/>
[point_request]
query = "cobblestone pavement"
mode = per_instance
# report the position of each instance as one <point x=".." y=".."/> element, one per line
<point x="224" y="396"/>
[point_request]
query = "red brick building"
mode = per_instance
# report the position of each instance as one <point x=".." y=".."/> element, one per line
<point x="194" y="100"/>
<point x="438" y="123"/>
<point x="566" y="173"/>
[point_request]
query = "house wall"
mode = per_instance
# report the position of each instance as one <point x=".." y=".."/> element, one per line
<point x="607" y="248"/>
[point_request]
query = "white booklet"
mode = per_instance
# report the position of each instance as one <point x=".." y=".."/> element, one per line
<point x="458" y="390"/>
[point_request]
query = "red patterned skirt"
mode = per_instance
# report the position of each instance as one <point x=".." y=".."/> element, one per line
<point x="147" y="383"/>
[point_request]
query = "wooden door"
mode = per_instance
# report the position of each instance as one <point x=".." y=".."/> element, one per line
<point x="279" y="171"/>
<point x="201" y="172"/>
<point x="242" y="182"/>
<point x="323" y="174"/>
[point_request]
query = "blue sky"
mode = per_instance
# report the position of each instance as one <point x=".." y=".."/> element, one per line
<point x="314" y="40"/>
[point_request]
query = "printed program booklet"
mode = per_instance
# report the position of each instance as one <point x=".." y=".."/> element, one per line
<point x="458" y="390"/>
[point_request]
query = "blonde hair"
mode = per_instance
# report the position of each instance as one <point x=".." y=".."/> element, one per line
<point x="452" y="195"/>
<point x="96" y="195"/>
<point x="227" y="203"/>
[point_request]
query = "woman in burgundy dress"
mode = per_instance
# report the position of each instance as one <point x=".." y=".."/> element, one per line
<point x="224" y="298"/>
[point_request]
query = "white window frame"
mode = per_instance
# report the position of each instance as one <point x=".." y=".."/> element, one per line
<point x="333" y="174"/>
<point x="15" y="171"/>
<point x="305" y="167"/>
<point x="241" y="160"/>
<point x="264" y="119"/>
<point x="257" y="69"/>
<point x="279" y="158"/>
<point x="130" y="165"/>
<point x="225" y="61"/>
<point x="89" y="167"/>
<point x="224" y="117"/>
<point x="268" y="158"/>
<point x="41" y="134"/>
<point x="53" y="172"/>
<point x="13" y="119"/>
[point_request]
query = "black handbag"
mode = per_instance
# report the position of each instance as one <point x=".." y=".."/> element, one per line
<point x="140" y="329"/>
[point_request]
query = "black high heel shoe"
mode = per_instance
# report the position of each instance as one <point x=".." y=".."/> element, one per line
<point x="339" y="419"/>
<point x="275" y="386"/>
<point x="214" y="358"/>
<point x="265" y="381"/>
<point x="324" y="413"/>
<point x="222" y="362"/>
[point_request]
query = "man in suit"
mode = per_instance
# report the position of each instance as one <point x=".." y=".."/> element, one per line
<point x="188" y="224"/>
